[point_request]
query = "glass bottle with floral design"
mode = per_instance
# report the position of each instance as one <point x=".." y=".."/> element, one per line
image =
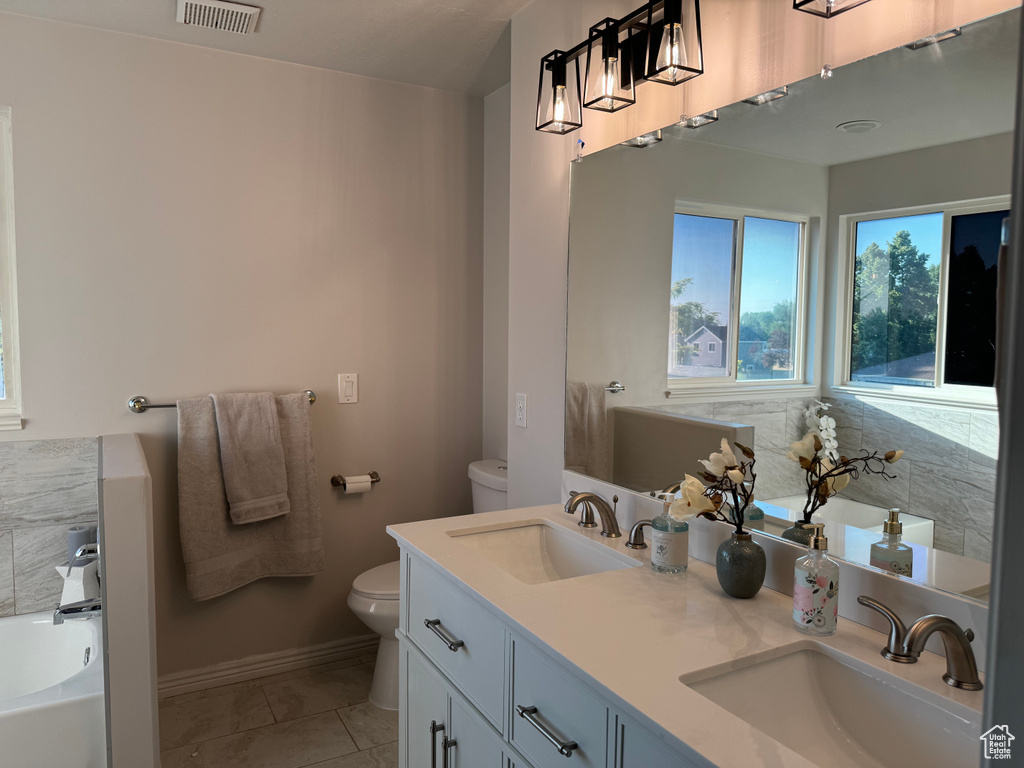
<point x="816" y="588"/>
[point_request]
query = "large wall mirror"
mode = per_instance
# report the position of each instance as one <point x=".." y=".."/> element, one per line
<point x="829" y="248"/>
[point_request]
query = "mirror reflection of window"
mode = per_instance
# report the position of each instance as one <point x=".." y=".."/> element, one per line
<point x="768" y="298"/>
<point x="703" y="254"/>
<point x="899" y="321"/>
<point x="707" y="298"/>
<point x="971" y="299"/>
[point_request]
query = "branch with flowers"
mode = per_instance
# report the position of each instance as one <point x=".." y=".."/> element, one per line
<point x="727" y="478"/>
<point x="826" y="477"/>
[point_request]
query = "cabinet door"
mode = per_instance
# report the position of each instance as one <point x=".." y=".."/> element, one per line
<point x="636" y="748"/>
<point x="427" y="702"/>
<point x="477" y="745"/>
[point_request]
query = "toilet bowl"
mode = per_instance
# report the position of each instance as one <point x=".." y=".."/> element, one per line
<point x="489" y="478"/>
<point x="374" y="599"/>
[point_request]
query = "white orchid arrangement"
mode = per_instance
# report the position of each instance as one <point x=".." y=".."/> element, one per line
<point x="818" y="420"/>
<point x="728" y="478"/>
<point x="826" y="475"/>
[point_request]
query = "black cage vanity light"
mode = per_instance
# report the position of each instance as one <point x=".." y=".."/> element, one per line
<point x="826" y="8"/>
<point x="660" y="41"/>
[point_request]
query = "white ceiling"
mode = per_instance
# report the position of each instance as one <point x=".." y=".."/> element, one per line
<point x="455" y="45"/>
<point x="960" y="89"/>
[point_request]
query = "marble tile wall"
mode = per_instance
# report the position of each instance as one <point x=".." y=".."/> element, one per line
<point x="776" y="423"/>
<point x="947" y="473"/>
<point x="46" y="486"/>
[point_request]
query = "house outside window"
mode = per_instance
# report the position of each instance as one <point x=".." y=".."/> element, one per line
<point x="736" y="269"/>
<point x="10" y="385"/>
<point x="920" y="288"/>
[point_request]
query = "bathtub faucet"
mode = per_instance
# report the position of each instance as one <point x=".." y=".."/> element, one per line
<point x="83" y="609"/>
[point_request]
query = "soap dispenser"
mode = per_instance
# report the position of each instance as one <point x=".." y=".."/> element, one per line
<point x="670" y="540"/>
<point x="816" y="587"/>
<point x="891" y="554"/>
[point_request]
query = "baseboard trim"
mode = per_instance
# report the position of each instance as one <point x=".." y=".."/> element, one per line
<point x="252" y="667"/>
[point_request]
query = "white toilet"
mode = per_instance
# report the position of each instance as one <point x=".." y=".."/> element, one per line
<point x="489" y="478"/>
<point x="374" y="599"/>
<point x="375" y="594"/>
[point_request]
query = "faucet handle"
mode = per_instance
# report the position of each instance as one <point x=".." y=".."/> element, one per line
<point x="636" y="535"/>
<point x="587" y="516"/>
<point x="893" y="650"/>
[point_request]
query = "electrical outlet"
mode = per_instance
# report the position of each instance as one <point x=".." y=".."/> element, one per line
<point x="521" y="410"/>
<point x="348" y="387"/>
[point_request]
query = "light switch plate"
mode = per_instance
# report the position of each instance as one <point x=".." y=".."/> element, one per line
<point x="521" y="410"/>
<point x="348" y="387"/>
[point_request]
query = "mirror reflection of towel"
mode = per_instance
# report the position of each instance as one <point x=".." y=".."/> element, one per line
<point x="586" y="430"/>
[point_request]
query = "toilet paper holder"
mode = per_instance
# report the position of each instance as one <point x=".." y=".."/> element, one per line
<point x="338" y="481"/>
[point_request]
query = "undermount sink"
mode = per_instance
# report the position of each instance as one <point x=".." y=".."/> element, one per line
<point x="536" y="552"/>
<point x="837" y="711"/>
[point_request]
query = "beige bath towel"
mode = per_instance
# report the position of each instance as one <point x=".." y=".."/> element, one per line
<point x="220" y="556"/>
<point x="586" y="430"/>
<point x="251" y="456"/>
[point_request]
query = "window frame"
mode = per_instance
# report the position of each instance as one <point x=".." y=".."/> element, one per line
<point x="10" y="406"/>
<point x="941" y="393"/>
<point x="715" y="387"/>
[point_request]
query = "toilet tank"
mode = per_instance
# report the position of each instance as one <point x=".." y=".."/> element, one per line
<point x="489" y="478"/>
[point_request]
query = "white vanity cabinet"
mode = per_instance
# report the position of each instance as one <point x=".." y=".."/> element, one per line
<point x="505" y="702"/>
<point x="439" y="727"/>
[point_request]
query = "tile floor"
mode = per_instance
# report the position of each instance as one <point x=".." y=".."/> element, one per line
<point x="316" y="717"/>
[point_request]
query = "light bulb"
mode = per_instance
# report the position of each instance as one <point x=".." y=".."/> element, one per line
<point x="671" y="52"/>
<point x="561" y="107"/>
<point x="609" y="80"/>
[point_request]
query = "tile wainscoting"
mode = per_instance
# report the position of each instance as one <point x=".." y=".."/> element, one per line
<point x="46" y="486"/>
<point x="948" y="473"/>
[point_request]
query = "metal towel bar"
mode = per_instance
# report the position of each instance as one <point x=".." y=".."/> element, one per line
<point x="139" y="404"/>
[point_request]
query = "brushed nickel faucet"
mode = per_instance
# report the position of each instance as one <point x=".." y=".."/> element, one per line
<point x="609" y="525"/>
<point x="905" y="645"/>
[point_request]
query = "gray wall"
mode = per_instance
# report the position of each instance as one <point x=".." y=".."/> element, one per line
<point x="194" y="221"/>
<point x="496" y="170"/>
<point x="46" y="486"/>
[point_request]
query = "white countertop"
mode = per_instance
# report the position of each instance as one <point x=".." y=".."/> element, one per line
<point x="631" y="633"/>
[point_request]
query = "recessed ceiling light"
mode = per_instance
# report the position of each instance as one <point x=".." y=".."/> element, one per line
<point x="643" y="141"/>
<point x="699" y="121"/>
<point x="772" y="95"/>
<point x="924" y="42"/>
<point x="858" y="126"/>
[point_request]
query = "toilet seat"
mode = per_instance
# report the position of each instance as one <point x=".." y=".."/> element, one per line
<point x="380" y="583"/>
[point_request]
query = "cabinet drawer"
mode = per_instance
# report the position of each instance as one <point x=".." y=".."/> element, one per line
<point x="460" y="637"/>
<point x="557" y="705"/>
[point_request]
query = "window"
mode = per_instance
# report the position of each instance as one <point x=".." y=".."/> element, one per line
<point x="10" y="406"/>
<point x="737" y="288"/>
<point x="921" y="305"/>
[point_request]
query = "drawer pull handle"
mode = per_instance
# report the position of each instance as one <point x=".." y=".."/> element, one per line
<point x="434" y="728"/>
<point x="434" y="625"/>
<point x="446" y="744"/>
<point x="530" y="715"/>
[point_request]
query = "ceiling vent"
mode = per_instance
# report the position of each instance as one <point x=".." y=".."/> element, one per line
<point x="214" y="14"/>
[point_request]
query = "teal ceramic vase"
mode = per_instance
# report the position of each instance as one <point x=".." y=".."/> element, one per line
<point x="800" y="533"/>
<point x="740" y="565"/>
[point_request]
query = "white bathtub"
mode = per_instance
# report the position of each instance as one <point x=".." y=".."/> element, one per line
<point x="51" y="703"/>
<point x="916" y="530"/>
